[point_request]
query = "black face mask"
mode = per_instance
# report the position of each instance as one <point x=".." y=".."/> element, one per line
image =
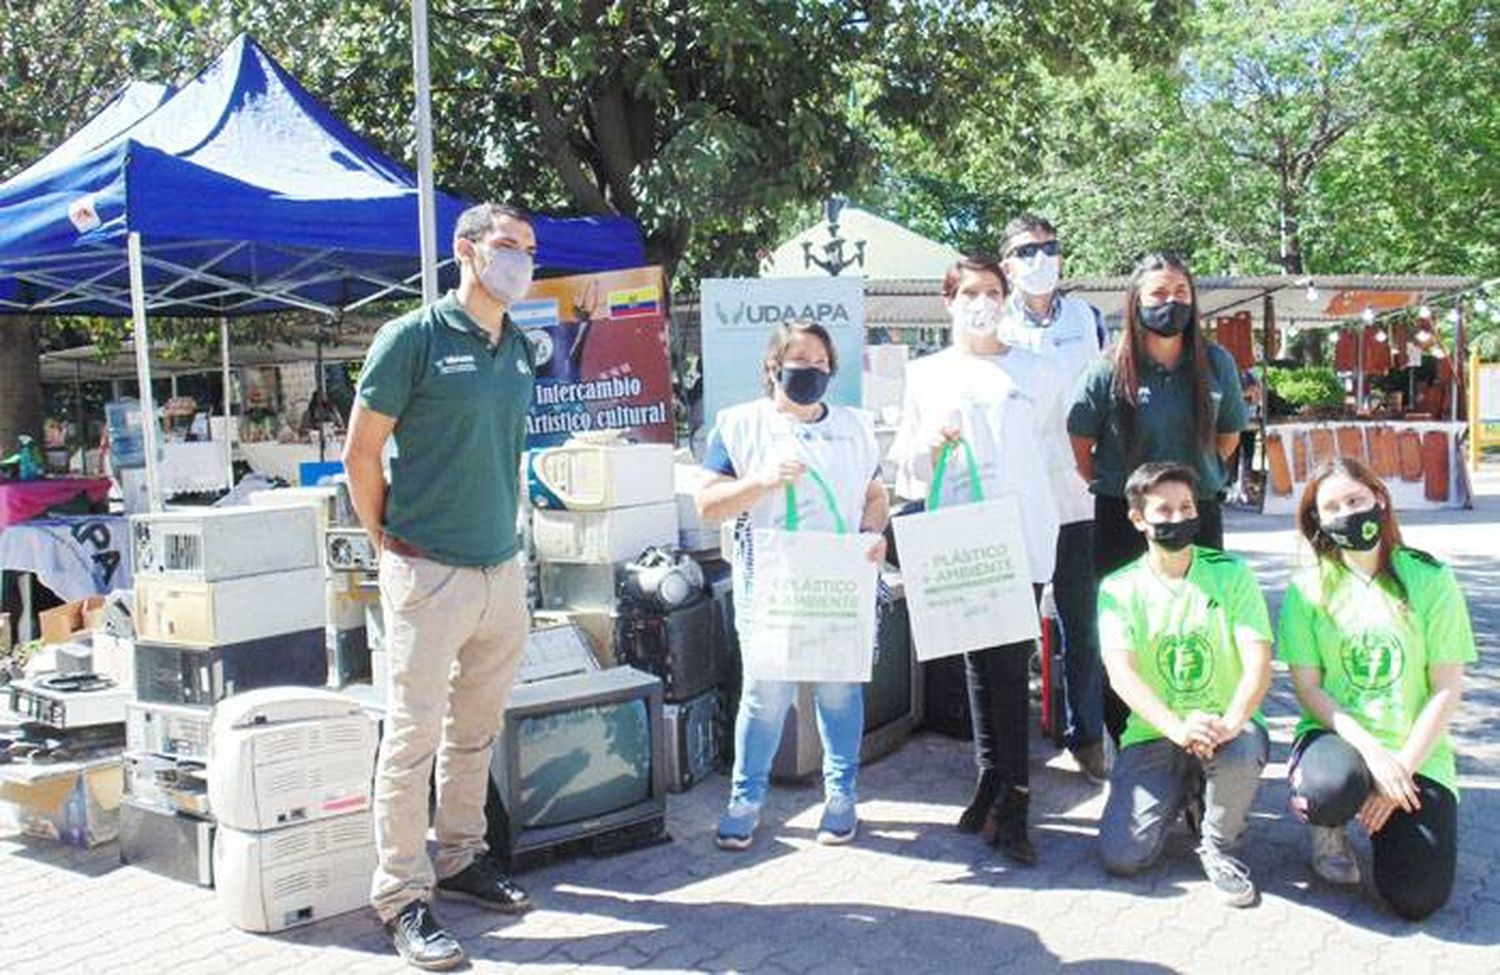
<point x="1167" y="319"/>
<point x="1174" y="536"/>
<point x="1358" y="530"/>
<point x="804" y="385"/>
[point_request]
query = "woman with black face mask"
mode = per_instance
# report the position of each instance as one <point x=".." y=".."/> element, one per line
<point x="1164" y="393"/>
<point x="1377" y="636"/>
<point x="829" y="455"/>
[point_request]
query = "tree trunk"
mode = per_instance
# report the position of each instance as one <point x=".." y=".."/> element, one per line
<point x="20" y="381"/>
<point x="1290" y="258"/>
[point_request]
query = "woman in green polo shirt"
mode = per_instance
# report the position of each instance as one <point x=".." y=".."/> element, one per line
<point x="1163" y="393"/>
<point x="1377" y="636"/>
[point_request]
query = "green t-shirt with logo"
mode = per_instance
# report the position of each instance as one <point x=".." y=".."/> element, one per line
<point x="1182" y="631"/>
<point x="460" y="407"/>
<point x="1374" y="649"/>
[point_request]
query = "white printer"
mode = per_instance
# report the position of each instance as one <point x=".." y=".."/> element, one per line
<point x="280" y="878"/>
<point x="283" y="755"/>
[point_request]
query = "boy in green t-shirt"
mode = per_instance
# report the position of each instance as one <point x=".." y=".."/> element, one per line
<point x="1377" y="636"/>
<point x="1187" y="643"/>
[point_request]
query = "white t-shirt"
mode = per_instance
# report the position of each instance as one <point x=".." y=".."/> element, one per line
<point x="1070" y="343"/>
<point x="1005" y="407"/>
<point x="841" y="447"/>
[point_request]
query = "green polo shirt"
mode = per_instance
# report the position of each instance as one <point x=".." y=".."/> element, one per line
<point x="1164" y="421"/>
<point x="460" y="409"/>
<point x="1185" y="633"/>
<point x="1376" y="649"/>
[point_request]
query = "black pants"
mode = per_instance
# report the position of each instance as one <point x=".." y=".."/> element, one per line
<point x="999" y="680"/>
<point x="1117" y="543"/>
<point x="1416" y="854"/>
<point x="1077" y="596"/>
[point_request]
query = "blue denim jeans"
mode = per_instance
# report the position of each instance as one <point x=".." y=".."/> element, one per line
<point x="1153" y="780"/>
<point x="757" y="735"/>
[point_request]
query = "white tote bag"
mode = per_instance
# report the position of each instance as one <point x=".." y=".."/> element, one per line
<point x="810" y="601"/>
<point x="968" y="583"/>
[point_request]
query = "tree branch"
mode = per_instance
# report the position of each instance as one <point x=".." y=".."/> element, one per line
<point x="585" y="192"/>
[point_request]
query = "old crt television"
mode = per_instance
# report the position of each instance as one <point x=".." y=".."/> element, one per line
<point x="580" y="767"/>
<point x="893" y="700"/>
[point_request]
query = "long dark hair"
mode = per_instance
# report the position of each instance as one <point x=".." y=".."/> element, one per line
<point x="1130" y="351"/>
<point x="1311" y="525"/>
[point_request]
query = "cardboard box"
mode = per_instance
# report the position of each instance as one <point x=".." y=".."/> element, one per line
<point x="73" y="804"/>
<point x="62" y="624"/>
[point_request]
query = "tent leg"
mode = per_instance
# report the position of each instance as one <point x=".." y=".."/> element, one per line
<point x="426" y="196"/>
<point x="228" y="420"/>
<point x="143" y="372"/>
<point x="321" y="393"/>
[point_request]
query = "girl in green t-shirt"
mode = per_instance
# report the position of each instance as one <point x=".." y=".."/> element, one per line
<point x="1376" y="635"/>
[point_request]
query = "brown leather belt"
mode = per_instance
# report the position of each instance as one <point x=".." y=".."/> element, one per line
<point x="401" y="548"/>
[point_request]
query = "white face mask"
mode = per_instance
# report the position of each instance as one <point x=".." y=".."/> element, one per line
<point x="507" y="274"/>
<point x="979" y="315"/>
<point x="1039" y="275"/>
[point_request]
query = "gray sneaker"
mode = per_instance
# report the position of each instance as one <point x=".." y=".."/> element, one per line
<point x="737" y="826"/>
<point x="1333" y="858"/>
<point x="1230" y="878"/>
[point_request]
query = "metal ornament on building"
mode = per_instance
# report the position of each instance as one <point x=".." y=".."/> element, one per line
<point x="833" y="260"/>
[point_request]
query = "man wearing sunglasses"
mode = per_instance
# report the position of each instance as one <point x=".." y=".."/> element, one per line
<point x="1070" y="334"/>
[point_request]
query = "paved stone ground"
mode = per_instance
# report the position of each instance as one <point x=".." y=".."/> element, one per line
<point x="910" y="896"/>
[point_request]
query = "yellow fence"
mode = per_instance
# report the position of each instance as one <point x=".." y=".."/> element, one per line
<point x="1484" y="407"/>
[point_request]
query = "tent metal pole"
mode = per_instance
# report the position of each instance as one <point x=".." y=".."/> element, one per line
<point x="83" y="427"/>
<point x="426" y="212"/>
<point x="321" y="394"/>
<point x="143" y="372"/>
<point x="228" y="419"/>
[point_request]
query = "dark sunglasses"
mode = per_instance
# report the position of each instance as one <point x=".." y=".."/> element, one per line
<point x="1027" y="251"/>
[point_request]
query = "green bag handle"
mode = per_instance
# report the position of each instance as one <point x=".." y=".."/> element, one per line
<point x="934" y="493"/>
<point x="794" y="520"/>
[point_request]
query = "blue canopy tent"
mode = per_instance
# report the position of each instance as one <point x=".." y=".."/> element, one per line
<point x="237" y="194"/>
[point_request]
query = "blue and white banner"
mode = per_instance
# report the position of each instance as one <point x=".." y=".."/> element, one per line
<point x="738" y="315"/>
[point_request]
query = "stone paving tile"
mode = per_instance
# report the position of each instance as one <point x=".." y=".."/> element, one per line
<point x="911" y="895"/>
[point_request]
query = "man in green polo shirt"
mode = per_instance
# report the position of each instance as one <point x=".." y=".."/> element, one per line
<point x="450" y="383"/>
<point x="1187" y="643"/>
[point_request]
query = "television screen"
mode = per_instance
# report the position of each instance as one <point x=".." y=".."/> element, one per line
<point x="584" y="762"/>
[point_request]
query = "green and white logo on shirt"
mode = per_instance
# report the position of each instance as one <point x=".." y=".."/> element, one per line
<point x="1186" y="661"/>
<point x="1372" y="659"/>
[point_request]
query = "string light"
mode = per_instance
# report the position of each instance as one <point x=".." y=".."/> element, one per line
<point x="1425" y="313"/>
<point x="1369" y="315"/>
<point x="1380" y="335"/>
<point x="1312" y="293"/>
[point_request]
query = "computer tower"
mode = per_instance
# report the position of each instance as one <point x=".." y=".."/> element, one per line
<point x="946" y="698"/>
<point x="169" y="674"/>
<point x="697" y="733"/>
<point x="166" y="842"/>
<point x="215" y="544"/>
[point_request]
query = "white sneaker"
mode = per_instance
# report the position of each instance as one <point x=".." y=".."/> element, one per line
<point x="1333" y="858"/>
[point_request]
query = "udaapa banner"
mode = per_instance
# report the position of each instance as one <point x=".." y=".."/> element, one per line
<point x="739" y="314"/>
<point x="601" y="356"/>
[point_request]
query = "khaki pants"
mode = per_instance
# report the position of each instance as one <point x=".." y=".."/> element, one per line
<point x="455" y="639"/>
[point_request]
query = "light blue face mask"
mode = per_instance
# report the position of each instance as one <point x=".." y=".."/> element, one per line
<point x="506" y="274"/>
